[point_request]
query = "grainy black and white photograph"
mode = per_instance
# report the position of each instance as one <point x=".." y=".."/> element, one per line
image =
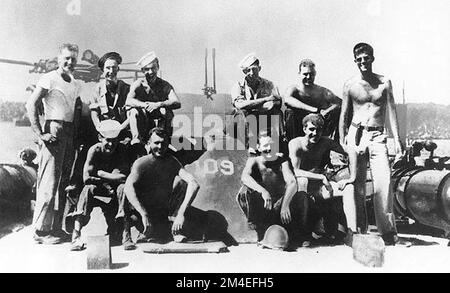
<point x="213" y="136"/>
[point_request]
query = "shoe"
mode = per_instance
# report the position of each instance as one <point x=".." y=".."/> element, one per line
<point x="348" y="239"/>
<point x="389" y="239"/>
<point x="339" y="238"/>
<point x="179" y="238"/>
<point x="401" y="242"/>
<point x="305" y="244"/>
<point x="141" y="238"/>
<point x="61" y="234"/>
<point x="77" y="244"/>
<point x="128" y="245"/>
<point x="127" y="242"/>
<point x="328" y="240"/>
<point x="46" y="239"/>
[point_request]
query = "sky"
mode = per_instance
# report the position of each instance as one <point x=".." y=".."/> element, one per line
<point x="410" y="39"/>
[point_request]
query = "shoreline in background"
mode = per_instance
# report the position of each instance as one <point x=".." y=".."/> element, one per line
<point x="14" y="140"/>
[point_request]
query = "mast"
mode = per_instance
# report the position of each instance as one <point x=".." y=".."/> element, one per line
<point x="206" y="68"/>
<point x="403" y="91"/>
<point x="214" y="68"/>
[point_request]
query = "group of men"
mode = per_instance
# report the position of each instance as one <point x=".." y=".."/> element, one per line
<point x="293" y="189"/>
<point x="128" y="119"/>
<point x="131" y="174"/>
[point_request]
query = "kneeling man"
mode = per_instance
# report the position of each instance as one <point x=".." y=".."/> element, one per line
<point x="104" y="174"/>
<point x="159" y="187"/>
<point x="308" y="156"/>
<point x="269" y="195"/>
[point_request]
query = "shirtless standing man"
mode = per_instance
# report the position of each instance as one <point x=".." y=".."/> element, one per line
<point x="366" y="98"/>
<point x="307" y="98"/>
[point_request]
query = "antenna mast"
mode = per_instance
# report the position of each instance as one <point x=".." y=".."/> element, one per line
<point x="403" y="91"/>
<point x="214" y="69"/>
<point x="206" y="68"/>
<point x="208" y="91"/>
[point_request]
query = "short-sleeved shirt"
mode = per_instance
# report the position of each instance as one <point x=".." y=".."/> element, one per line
<point x="110" y="105"/>
<point x="158" y="92"/>
<point x="62" y="106"/>
<point x="118" y="161"/>
<point x="242" y="91"/>
<point x="156" y="177"/>
<point x="271" y="177"/>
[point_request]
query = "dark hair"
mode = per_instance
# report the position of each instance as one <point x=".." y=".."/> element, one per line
<point x="315" y="119"/>
<point x="159" y="132"/>
<point x="306" y="63"/>
<point x="362" y="48"/>
<point x="110" y="55"/>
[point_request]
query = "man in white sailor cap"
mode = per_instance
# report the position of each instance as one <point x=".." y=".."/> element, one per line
<point x="105" y="171"/>
<point x="152" y="100"/>
<point x="257" y="98"/>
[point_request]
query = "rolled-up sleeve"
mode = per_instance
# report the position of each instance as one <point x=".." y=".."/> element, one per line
<point x="45" y="82"/>
<point x="275" y="91"/>
<point x="93" y="102"/>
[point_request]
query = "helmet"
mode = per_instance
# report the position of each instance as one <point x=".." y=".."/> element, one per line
<point x="276" y="237"/>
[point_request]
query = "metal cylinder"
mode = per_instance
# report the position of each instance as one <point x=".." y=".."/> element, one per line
<point x="16" y="189"/>
<point x="400" y="178"/>
<point x="420" y="194"/>
<point x="425" y="197"/>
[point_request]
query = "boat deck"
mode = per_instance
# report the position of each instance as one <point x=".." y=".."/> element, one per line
<point x="18" y="253"/>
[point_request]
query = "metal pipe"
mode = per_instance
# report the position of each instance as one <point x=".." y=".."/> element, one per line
<point x="206" y="68"/>
<point x="214" y="68"/>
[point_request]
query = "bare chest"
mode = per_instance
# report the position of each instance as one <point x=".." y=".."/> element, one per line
<point x="314" y="97"/>
<point x="362" y="93"/>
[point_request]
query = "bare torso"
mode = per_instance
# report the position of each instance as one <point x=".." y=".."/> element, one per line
<point x="315" y="95"/>
<point x="368" y="100"/>
<point x="311" y="157"/>
<point x="269" y="175"/>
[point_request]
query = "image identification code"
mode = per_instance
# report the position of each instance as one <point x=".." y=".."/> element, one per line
<point x="246" y="282"/>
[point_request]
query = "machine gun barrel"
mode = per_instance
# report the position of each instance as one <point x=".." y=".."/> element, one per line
<point x="16" y="62"/>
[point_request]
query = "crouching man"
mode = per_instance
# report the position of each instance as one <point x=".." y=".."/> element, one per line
<point x="269" y="195"/>
<point x="157" y="188"/>
<point x="307" y="154"/>
<point x="104" y="174"/>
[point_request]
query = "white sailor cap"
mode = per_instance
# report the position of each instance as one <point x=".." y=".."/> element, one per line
<point x="147" y="59"/>
<point x="248" y="60"/>
<point x="109" y="128"/>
